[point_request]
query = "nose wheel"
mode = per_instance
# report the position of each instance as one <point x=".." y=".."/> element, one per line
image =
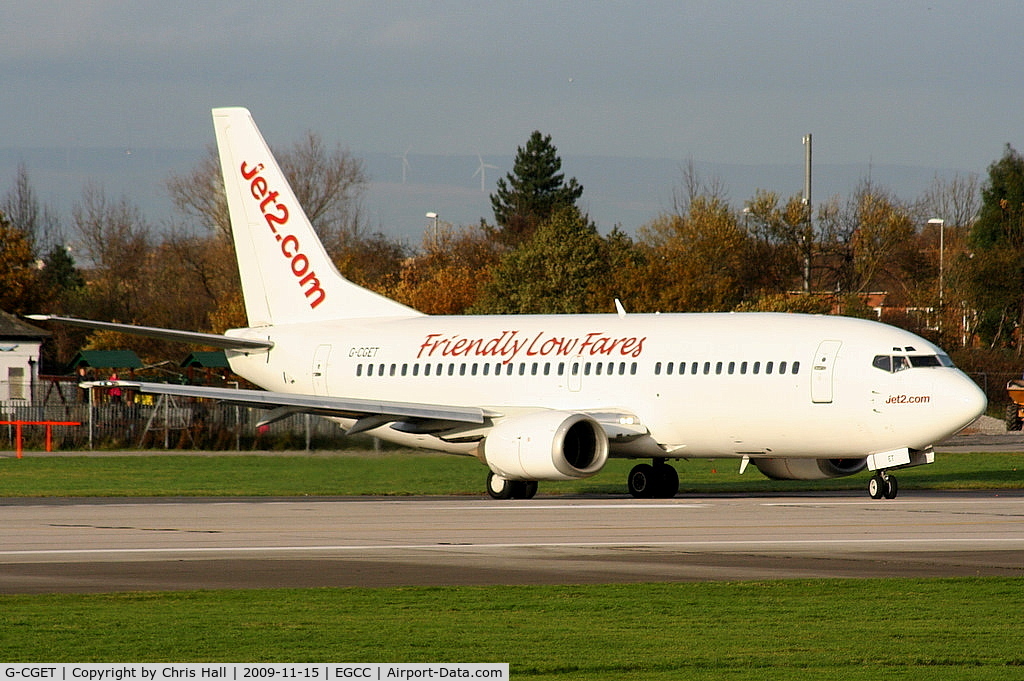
<point x="881" y="485"/>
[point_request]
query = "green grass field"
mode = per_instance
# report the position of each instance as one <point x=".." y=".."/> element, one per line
<point x="414" y="474"/>
<point x="810" y="629"/>
<point x="825" y="629"/>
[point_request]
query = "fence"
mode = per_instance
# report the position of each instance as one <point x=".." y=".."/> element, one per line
<point x="169" y="424"/>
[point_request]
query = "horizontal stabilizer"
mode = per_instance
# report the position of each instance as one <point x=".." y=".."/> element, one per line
<point x="212" y="339"/>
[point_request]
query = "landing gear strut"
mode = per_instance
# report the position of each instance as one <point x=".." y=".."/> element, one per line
<point x="500" y="488"/>
<point x="657" y="481"/>
<point x="881" y="485"/>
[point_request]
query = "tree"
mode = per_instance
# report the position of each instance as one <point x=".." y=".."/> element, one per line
<point x="199" y="196"/>
<point x="1001" y="219"/>
<point x="558" y="270"/>
<point x="36" y="221"/>
<point x="868" y="242"/>
<point x="18" y="273"/>
<point x="781" y="302"/>
<point x="116" y="243"/>
<point x="59" y="275"/>
<point x="372" y="260"/>
<point x="693" y="187"/>
<point x="781" y="240"/>
<point x="447" y="275"/>
<point x="329" y="184"/>
<point x="956" y="201"/>
<point x="28" y="229"/>
<point x="533" y="192"/>
<point x="995" y="275"/>
<point x="697" y="262"/>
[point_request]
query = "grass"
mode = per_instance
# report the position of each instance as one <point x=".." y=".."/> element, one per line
<point x="842" y="629"/>
<point x="407" y="473"/>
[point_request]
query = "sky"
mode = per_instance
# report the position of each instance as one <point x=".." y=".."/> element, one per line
<point x="929" y="83"/>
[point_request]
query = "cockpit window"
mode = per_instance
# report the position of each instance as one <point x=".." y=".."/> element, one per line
<point x="894" y="363"/>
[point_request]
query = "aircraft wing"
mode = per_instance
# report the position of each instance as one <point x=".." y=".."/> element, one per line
<point x="368" y="414"/>
<point x="212" y="339"/>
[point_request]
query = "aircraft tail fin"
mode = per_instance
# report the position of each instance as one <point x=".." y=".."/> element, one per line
<point x="287" y="276"/>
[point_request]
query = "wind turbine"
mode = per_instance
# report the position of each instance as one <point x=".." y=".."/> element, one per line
<point x="405" y="163"/>
<point x="482" y="172"/>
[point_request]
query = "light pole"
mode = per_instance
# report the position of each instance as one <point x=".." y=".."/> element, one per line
<point x="433" y="216"/>
<point x="942" y="252"/>
<point x="809" y="230"/>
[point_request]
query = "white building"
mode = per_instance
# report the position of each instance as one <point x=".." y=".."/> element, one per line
<point x="19" y="359"/>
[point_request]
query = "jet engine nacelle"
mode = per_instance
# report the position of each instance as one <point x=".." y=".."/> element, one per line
<point x="546" y="445"/>
<point x="809" y="469"/>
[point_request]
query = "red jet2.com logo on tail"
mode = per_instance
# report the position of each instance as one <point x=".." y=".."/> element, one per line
<point x="276" y="214"/>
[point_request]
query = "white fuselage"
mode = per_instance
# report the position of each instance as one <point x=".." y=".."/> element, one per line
<point x="704" y="385"/>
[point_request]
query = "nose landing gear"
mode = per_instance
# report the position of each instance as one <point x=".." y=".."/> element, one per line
<point x="882" y="484"/>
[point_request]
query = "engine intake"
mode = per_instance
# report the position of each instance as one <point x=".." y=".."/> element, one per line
<point x="546" y="445"/>
<point x="809" y="469"/>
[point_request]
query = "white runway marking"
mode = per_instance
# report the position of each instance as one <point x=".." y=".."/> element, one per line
<point x="705" y="544"/>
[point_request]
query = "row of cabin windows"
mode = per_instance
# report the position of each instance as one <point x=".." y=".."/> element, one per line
<point x="498" y="369"/>
<point x="729" y="368"/>
<point x="559" y="368"/>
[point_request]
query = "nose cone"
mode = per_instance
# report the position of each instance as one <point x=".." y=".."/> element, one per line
<point x="962" y="399"/>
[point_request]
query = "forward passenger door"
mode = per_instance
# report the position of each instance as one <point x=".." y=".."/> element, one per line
<point x="822" y="370"/>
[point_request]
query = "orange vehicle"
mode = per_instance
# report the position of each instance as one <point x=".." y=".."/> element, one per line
<point x="1015" y="410"/>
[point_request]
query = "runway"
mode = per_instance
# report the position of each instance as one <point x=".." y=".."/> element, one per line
<point x="54" y="545"/>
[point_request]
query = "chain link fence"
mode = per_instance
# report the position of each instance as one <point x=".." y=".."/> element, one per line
<point x="131" y="421"/>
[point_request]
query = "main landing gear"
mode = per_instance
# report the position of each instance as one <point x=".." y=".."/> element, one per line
<point x="656" y="480"/>
<point x="500" y="488"/>
<point x="881" y="485"/>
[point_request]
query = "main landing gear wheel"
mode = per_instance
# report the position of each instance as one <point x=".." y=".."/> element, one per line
<point x="659" y="481"/>
<point x="883" y="485"/>
<point x="500" y="488"/>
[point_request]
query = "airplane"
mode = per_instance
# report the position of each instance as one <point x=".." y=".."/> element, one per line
<point x="552" y="397"/>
